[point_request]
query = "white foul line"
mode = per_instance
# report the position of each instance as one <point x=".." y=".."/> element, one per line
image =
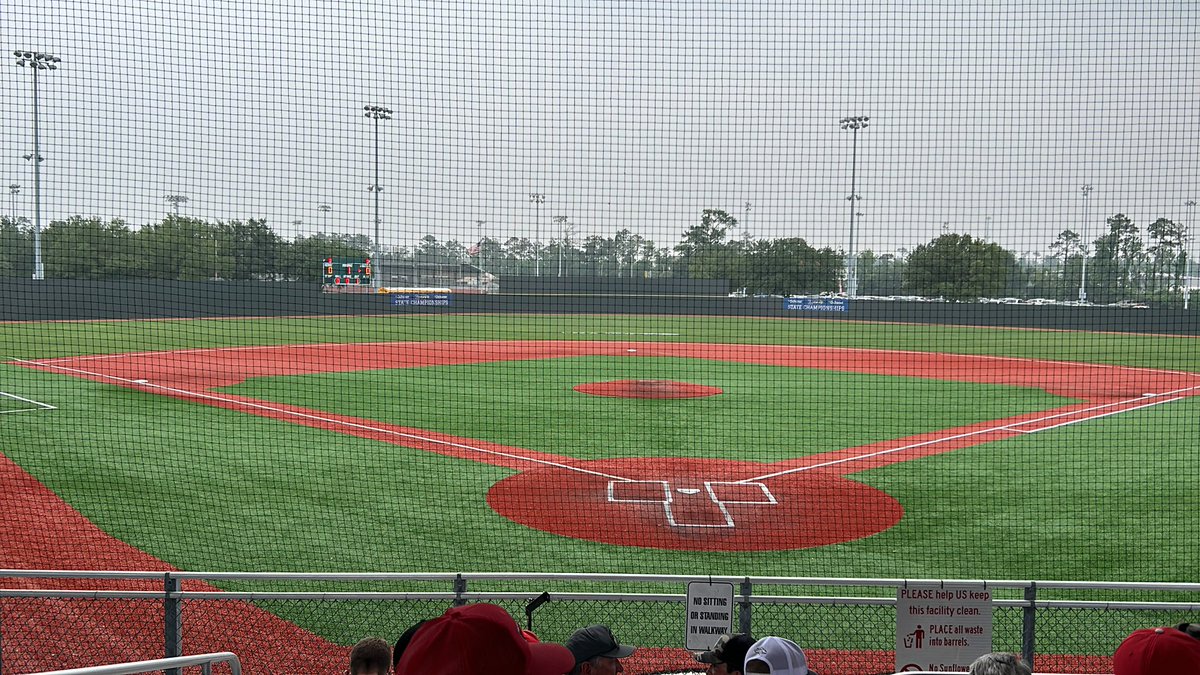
<point x="326" y="420"/>
<point x="910" y="446"/>
<point x="39" y="404"/>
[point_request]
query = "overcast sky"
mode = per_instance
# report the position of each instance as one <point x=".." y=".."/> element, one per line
<point x="988" y="116"/>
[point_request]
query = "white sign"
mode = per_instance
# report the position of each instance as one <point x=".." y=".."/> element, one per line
<point x="709" y="614"/>
<point x="942" y="628"/>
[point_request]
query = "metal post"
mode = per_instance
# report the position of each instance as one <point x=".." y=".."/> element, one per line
<point x="38" y="271"/>
<point x="1029" y="624"/>
<point x="562" y="233"/>
<point x="460" y="589"/>
<point x="378" y="250"/>
<point x="37" y="61"/>
<point x="537" y="198"/>
<point x="377" y="112"/>
<point x="172" y="621"/>
<point x="1083" y="244"/>
<point x="744" y="623"/>
<point x="853" y="124"/>
<point x="852" y="259"/>
<point x="12" y="198"/>
<point x="479" y="245"/>
<point x="1191" y="269"/>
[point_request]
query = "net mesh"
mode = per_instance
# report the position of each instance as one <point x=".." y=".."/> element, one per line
<point x="780" y="289"/>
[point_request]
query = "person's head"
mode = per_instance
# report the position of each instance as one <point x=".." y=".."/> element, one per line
<point x="402" y="641"/>
<point x="479" y="639"/>
<point x="728" y="655"/>
<point x="371" y="656"/>
<point x="596" y="651"/>
<point x="999" y="663"/>
<point x="776" y="656"/>
<point x="1153" y="651"/>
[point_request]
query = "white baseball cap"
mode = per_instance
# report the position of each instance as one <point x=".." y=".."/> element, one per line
<point x="783" y="656"/>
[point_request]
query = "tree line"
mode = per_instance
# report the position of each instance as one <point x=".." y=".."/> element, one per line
<point x="1120" y="263"/>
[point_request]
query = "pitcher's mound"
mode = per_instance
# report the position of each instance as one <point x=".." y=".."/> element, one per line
<point x="648" y="389"/>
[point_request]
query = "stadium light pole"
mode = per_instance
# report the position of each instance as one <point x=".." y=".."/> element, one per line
<point x="562" y="232"/>
<point x="1190" y="205"/>
<point x="377" y="113"/>
<point x="13" y="190"/>
<point x="746" y="222"/>
<point x="324" y="210"/>
<point x="538" y="199"/>
<point x="176" y="201"/>
<point x="1085" y="191"/>
<point x="853" y="124"/>
<point x="37" y="61"/>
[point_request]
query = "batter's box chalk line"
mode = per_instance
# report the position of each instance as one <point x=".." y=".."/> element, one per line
<point x="37" y="405"/>
<point x="718" y="494"/>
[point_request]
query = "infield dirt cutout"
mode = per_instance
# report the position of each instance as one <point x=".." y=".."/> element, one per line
<point x="670" y="502"/>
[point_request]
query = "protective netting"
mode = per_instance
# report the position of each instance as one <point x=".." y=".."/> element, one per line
<point x="779" y="289"/>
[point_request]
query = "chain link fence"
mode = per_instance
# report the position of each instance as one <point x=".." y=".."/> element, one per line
<point x="298" y="623"/>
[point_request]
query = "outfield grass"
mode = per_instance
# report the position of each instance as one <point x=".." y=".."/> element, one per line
<point x="209" y="489"/>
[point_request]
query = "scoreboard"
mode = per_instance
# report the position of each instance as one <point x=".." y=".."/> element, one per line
<point x="346" y="271"/>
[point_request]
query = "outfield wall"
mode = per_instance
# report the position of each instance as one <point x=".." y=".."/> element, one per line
<point x="66" y="300"/>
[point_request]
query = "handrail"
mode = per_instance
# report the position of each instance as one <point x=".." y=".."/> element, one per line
<point x="204" y="660"/>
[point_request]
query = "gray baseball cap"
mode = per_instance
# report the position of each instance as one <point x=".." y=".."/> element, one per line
<point x="593" y="641"/>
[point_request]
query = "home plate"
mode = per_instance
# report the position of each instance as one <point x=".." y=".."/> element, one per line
<point x="687" y="491"/>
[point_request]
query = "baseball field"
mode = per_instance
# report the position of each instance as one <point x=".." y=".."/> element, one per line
<point x="617" y="444"/>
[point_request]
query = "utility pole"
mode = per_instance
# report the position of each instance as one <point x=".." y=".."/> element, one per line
<point x="377" y="112"/>
<point x="853" y="124"/>
<point x="37" y="61"/>
<point x="538" y="199"/>
<point x="1085" y="190"/>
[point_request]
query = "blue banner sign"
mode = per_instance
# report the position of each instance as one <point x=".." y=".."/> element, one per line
<point x="422" y="299"/>
<point x="817" y="304"/>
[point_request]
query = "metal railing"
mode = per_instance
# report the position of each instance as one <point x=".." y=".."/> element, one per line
<point x="847" y="625"/>
<point x="205" y="661"/>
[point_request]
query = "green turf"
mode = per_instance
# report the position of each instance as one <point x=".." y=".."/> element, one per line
<point x="766" y="413"/>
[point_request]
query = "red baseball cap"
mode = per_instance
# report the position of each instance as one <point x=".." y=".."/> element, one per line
<point x="480" y="638"/>
<point x="1157" y="651"/>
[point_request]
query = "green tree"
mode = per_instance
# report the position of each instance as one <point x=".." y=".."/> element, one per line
<point x="1119" y="261"/>
<point x="179" y="247"/>
<point x="16" y="249"/>
<point x="788" y="266"/>
<point x="301" y="260"/>
<point x="1067" y="251"/>
<point x="959" y="267"/>
<point x="880" y="274"/>
<point x="1166" y="254"/>
<point x="88" y="248"/>
<point x="702" y="250"/>
<point x="248" y="250"/>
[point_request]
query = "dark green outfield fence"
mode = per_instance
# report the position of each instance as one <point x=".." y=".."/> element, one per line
<point x="67" y="300"/>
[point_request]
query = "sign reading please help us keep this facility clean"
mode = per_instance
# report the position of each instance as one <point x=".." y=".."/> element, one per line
<point x="942" y="627"/>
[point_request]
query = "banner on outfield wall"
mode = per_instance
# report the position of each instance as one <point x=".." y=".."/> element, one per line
<point x="816" y="304"/>
<point x="422" y="299"/>
<point x="709" y="613"/>
<point x="942" y="627"/>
